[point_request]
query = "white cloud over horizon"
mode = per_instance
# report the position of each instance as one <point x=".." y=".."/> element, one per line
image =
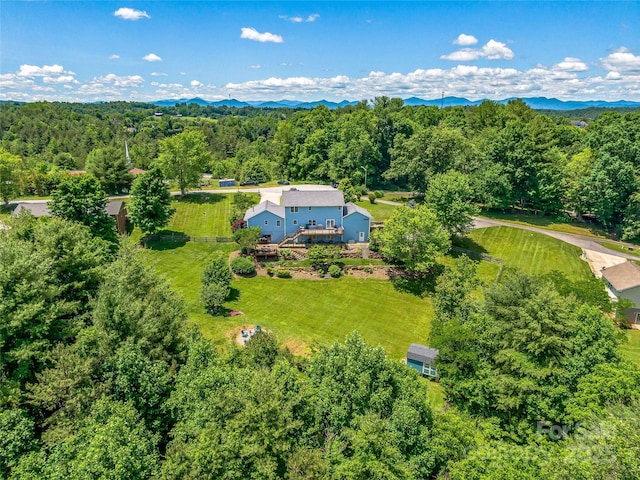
<point x="616" y="77"/>
<point x="126" y="13"/>
<point x="492" y="50"/>
<point x="251" y="33"/>
<point x="152" y="57"/>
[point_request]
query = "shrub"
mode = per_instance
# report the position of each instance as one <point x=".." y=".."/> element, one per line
<point x="270" y="271"/>
<point x="379" y="193"/>
<point x="372" y="197"/>
<point x="368" y="270"/>
<point x="283" y="274"/>
<point x="286" y="253"/>
<point x="217" y="271"/>
<point x="334" y="271"/>
<point x="243" y="266"/>
<point x="213" y="295"/>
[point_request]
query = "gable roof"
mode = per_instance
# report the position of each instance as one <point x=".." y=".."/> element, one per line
<point x="421" y="353"/>
<point x="38" y="210"/>
<point x="267" y="206"/>
<point x="312" y="198"/>
<point x="114" y="207"/>
<point x="623" y="276"/>
<point x="350" y="208"/>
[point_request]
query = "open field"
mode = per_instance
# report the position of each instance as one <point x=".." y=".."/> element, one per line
<point x="201" y="214"/>
<point x="379" y="211"/>
<point x="547" y="223"/>
<point x="531" y="252"/>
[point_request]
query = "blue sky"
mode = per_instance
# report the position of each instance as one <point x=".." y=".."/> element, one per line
<point x="100" y="50"/>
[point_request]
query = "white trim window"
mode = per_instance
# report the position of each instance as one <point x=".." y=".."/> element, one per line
<point x="295" y="222"/>
<point x="266" y="222"/>
<point x="293" y="209"/>
<point x="311" y="223"/>
<point x="330" y="222"/>
<point x="277" y="223"/>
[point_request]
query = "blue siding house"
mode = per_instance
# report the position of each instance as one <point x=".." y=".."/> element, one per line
<point x="310" y="217"/>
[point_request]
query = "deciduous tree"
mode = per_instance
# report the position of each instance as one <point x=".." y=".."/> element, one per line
<point x="150" y="205"/>
<point x="183" y="158"/>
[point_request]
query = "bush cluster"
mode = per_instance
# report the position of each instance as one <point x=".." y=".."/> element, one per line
<point x="334" y="271"/>
<point x="243" y="266"/>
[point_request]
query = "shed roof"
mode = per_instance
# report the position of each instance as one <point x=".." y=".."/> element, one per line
<point x="38" y="210"/>
<point x="623" y="276"/>
<point x="267" y="206"/>
<point x="114" y="207"/>
<point x="350" y="208"/>
<point x="421" y="353"/>
<point x="312" y="198"/>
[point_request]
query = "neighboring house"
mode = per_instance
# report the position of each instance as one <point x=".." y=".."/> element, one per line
<point x="310" y="217"/>
<point x="422" y="359"/>
<point x="115" y="209"/>
<point x="137" y="171"/>
<point x="623" y="281"/>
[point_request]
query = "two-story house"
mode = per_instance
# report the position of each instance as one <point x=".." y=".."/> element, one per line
<point x="310" y="217"/>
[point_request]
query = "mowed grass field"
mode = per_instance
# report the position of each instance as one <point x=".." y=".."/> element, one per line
<point x="301" y="313"/>
<point x="531" y="252"/>
<point x="631" y="348"/>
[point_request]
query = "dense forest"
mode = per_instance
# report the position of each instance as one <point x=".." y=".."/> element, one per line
<point x="102" y="377"/>
<point x="513" y="156"/>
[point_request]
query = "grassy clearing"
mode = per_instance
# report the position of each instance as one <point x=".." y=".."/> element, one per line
<point x="532" y="252"/>
<point x="301" y="313"/>
<point x="547" y="223"/>
<point x="631" y="348"/>
<point x="380" y="212"/>
<point x="202" y="214"/>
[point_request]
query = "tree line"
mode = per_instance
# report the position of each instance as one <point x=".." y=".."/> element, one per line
<point x="513" y="156"/>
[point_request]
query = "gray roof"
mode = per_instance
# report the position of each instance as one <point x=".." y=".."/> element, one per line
<point x="267" y="206"/>
<point x="421" y="353"/>
<point x="38" y="210"/>
<point x="350" y="208"/>
<point x="312" y="198"/>
<point x="623" y="276"/>
<point x="41" y="209"/>
<point x="113" y="208"/>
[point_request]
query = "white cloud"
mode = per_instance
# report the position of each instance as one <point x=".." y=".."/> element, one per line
<point x="159" y="74"/>
<point x="45" y="70"/>
<point x="152" y="57"/>
<point x="130" y="14"/>
<point x="126" y="81"/>
<point x="255" y="67"/>
<point x="465" y="40"/>
<point x="572" y="64"/>
<point x="492" y="50"/>
<point x="297" y="19"/>
<point x="63" y="79"/>
<point x="195" y="83"/>
<point x="252" y="34"/>
<point x="622" y="60"/>
<point x="115" y="56"/>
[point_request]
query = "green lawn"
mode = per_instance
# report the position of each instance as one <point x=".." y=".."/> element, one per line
<point x="622" y="247"/>
<point x="301" y="313"/>
<point x="531" y="252"/>
<point x="547" y="223"/>
<point x="202" y="215"/>
<point x="379" y="211"/>
<point x="631" y="349"/>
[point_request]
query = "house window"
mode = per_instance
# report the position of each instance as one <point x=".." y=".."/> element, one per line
<point x="311" y="223"/>
<point x="339" y="209"/>
<point x="637" y="321"/>
<point x="277" y="223"/>
<point x="309" y="208"/>
<point x="266" y="222"/>
<point x="294" y="209"/>
<point x="331" y="223"/>
<point x="295" y="222"/>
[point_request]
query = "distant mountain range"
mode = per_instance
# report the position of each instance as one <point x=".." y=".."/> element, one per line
<point x="538" y="103"/>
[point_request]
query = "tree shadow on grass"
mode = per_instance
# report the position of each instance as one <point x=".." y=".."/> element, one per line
<point x="466" y="243"/>
<point x="165" y="240"/>
<point x="202" y="198"/>
<point x="418" y="284"/>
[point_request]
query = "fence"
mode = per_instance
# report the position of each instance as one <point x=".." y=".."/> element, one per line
<point x="186" y="238"/>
